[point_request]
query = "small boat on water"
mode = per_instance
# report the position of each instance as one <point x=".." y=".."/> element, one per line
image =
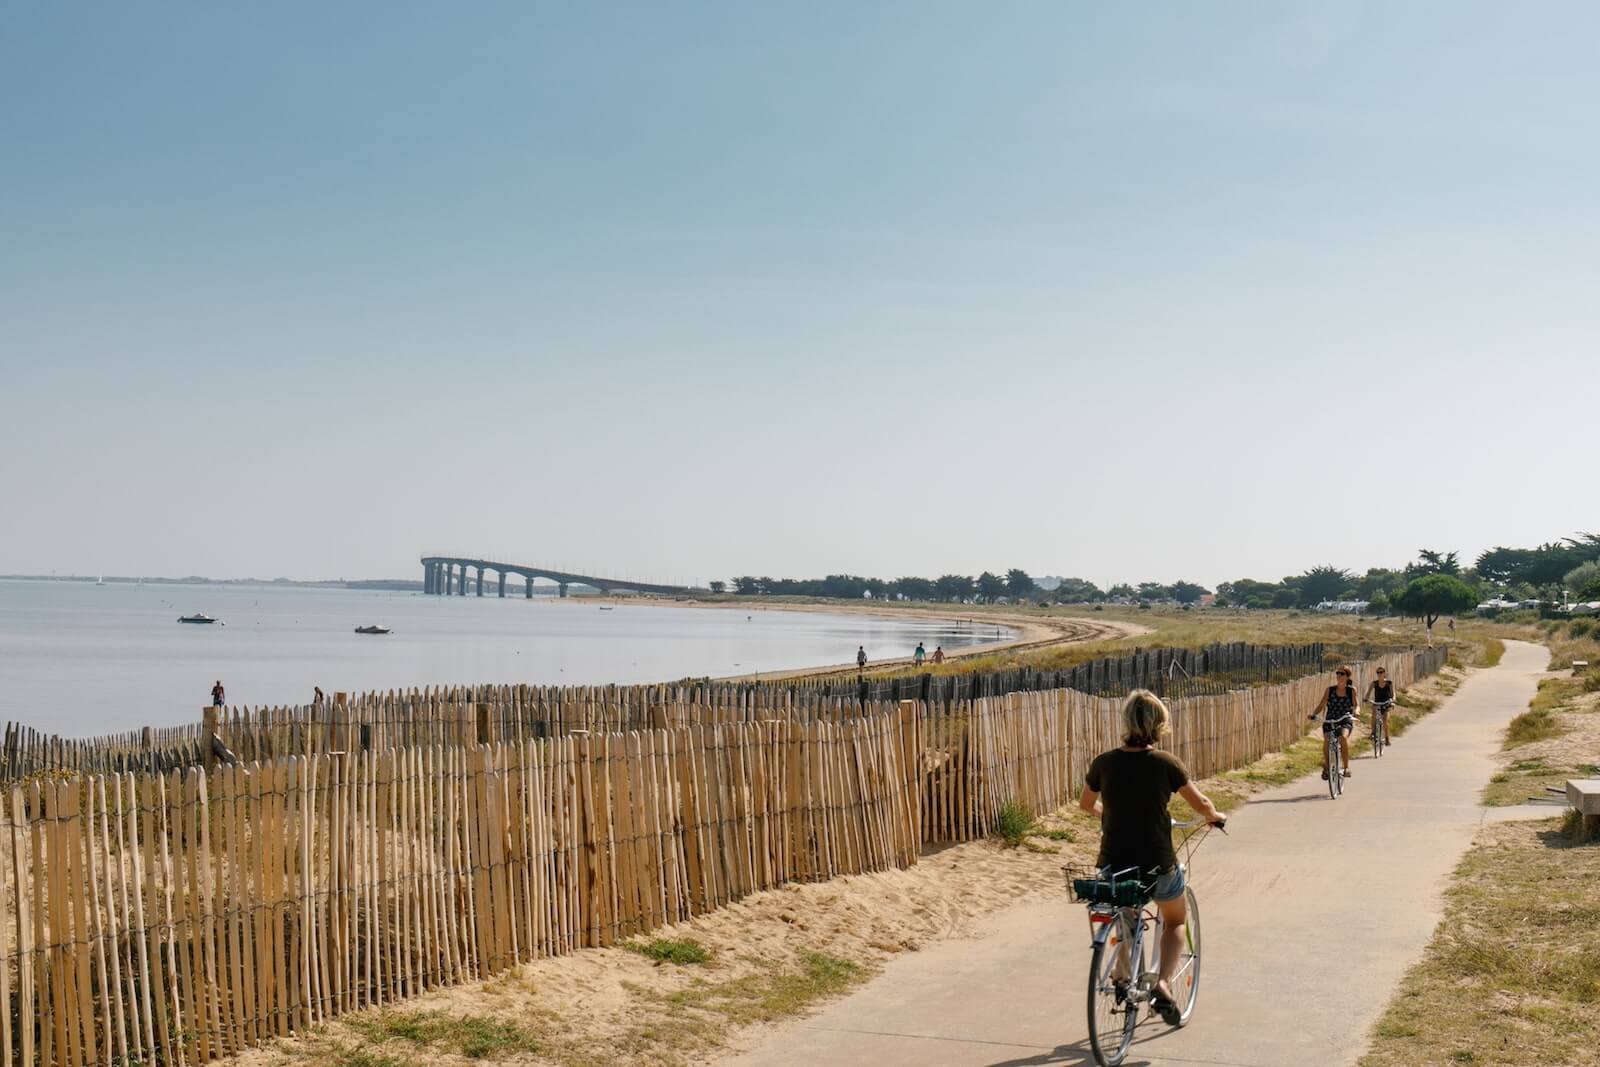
<point x="604" y="608"/>
<point x="198" y="616"/>
<point x="373" y="630"/>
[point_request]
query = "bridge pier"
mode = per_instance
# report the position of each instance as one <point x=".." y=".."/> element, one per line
<point x="450" y="575"/>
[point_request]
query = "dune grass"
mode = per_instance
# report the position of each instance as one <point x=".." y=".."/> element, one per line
<point x="1541" y="721"/>
<point x="475" y="1037"/>
<point x="1512" y="975"/>
<point x="681" y="951"/>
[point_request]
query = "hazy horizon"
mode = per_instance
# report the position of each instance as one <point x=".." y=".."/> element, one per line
<point x="906" y="289"/>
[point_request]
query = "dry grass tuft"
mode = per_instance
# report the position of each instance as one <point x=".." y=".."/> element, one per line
<point x="1512" y="975"/>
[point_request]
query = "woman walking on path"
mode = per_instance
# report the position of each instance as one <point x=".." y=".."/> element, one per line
<point x="1129" y="788"/>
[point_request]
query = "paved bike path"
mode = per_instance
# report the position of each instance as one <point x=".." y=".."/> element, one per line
<point x="1298" y="961"/>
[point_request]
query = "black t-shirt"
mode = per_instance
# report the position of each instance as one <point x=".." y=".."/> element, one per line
<point x="1135" y="788"/>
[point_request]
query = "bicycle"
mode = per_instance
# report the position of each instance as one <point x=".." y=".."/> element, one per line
<point x="1335" y="755"/>
<point x="1122" y="978"/>
<point x="1380" y="726"/>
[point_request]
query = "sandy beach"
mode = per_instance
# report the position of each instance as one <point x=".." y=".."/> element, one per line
<point x="1030" y="632"/>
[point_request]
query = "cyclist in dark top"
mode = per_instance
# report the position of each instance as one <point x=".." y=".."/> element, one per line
<point x="1381" y="692"/>
<point x="1339" y="703"/>
<point x="1129" y="788"/>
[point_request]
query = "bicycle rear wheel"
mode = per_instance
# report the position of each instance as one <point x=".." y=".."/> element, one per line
<point x="1186" y="979"/>
<point x="1112" y="1015"/>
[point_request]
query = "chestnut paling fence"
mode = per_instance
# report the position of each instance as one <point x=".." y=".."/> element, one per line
<point x="499" y="713"/>
<point x="179" y="917"/>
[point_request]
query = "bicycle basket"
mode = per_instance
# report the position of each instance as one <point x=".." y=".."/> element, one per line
<point x="1088" y="887"/>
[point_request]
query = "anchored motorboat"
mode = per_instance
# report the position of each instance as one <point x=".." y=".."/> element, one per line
<point x="373" y="630"/>
<point x="198" y="616"/>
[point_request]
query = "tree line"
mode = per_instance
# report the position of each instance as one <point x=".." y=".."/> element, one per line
<point x="1436" y="583"/>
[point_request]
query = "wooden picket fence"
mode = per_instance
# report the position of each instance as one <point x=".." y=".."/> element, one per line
<point x="184" y="917"/>
<point x="507" y="713"/>
<point x="181" y="917"/>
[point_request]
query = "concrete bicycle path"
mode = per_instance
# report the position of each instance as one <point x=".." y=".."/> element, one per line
<point x="1298" y="961"/>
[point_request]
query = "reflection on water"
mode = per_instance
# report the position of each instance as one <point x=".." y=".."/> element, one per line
<point x="76" y="658"/>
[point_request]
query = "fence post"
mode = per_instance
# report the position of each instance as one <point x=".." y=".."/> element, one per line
<point x="208" y="747"/>
<point x="483" y="724"/>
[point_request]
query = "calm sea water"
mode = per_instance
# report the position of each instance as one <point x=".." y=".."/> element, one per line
<point x="77" y="659"/>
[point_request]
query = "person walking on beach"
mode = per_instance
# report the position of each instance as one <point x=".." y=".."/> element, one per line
<point x="219" y="695"/>
<point x="919" y="655"/>
<point x="938" y="655"/>
<point x="861" y="658"/>
<point x="316" y="698"/>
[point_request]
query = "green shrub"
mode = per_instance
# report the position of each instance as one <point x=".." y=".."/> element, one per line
<point x="1580" y="627"/>
<point x="1012" y="823"/>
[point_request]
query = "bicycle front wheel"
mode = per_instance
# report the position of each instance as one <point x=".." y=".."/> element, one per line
<point x="1380" y="734"/>
<point x="1113" y="1013"/>
<point x="1186" y="979"/>
<point x="1331" y="761"/>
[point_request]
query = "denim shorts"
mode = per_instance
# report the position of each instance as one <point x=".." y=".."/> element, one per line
<point x="1169" y="886"/>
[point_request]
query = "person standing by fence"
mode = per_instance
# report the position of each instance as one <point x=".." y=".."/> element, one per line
<point x="861" y="658"/>
<point x="919" y="655"/>
<point x="219" y="696"/>
<point x="938" y="655"/>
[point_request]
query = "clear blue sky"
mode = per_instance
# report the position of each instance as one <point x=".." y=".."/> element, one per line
<point x="1181" y="290"/>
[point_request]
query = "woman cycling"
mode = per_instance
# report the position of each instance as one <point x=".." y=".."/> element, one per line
<point x="1339" y="704"/>
<point x="1381" y="694"/>
<point x="1129" y="788"/>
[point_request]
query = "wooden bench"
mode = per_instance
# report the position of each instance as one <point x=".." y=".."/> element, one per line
<point x="1579" y="666"/>
<point x="1584" y="796"/>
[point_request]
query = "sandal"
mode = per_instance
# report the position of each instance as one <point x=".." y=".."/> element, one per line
<point x="1165" y="1007"/>
<point x="1324" y="775"/>
<point x="1347" y="772"/>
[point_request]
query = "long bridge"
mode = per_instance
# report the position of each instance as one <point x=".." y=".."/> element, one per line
<point x="447" y="576"/>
